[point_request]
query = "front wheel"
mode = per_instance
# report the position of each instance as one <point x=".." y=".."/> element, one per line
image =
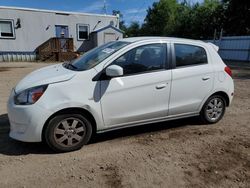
<point x="214" y="109"/>
<point x="68" y="132"/>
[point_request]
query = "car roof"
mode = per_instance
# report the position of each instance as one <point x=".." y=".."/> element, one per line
<point x="172" y="39"/>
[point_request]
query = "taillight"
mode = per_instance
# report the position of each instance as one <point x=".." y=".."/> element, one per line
<point x="228" y="71"/>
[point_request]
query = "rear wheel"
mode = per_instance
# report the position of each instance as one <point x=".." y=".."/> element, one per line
<point x="68" y="132"/>
<point x="214" y="109"/>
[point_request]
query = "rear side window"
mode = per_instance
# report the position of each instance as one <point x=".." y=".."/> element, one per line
<point x="187" y="55"/>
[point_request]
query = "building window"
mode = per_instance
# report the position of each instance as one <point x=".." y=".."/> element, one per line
<point x="7" y="29"/>
<point x="83" y="31"/>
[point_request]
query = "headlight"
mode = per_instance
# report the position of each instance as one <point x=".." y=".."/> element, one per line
<point x="30" y="96"/>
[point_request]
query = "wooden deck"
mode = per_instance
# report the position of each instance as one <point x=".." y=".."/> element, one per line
<point x="57" y="49"/>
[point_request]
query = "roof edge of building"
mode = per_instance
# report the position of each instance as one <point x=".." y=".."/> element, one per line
<point x="55" y="11"/>
<point x="106" y="27"/>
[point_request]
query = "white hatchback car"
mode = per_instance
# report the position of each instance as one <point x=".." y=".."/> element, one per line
<point x="124" y="83"/>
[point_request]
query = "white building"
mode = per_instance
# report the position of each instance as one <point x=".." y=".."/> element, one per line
<point x="23" y="30"/>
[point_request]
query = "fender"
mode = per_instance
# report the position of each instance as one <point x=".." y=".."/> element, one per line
<point x="210" y="94"/>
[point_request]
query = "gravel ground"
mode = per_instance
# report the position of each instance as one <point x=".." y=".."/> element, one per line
<point x="179" y="153"/>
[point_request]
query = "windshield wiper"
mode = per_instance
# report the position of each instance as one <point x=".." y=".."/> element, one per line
<point x="70" y="66"/>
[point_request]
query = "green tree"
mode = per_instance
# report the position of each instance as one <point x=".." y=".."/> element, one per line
<point x="237" y="14"/>
<point x="205" y="19"/>
<point x="183" y="21"/>
<point x="198" y="21"/>
<point x="161" y="18"/>
<point x="134" y="30"/>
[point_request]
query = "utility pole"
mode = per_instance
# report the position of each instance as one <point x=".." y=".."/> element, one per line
<point x="215" y="33"/>
<point x="104" y="7"/>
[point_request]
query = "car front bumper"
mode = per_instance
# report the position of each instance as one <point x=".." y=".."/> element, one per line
<point x="26" y="121"/>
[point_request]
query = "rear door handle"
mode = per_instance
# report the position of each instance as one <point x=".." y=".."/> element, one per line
<point x="205" y="78"/>
<point x="161" y="86"/>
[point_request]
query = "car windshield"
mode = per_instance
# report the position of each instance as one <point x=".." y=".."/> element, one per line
<point x="95" y="56"/>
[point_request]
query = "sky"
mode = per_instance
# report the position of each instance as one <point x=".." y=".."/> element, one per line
<point x="132" y="10"/>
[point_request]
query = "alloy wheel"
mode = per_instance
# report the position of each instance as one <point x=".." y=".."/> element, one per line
<point x="69" y="132"/>
<point x="214" y="109"/>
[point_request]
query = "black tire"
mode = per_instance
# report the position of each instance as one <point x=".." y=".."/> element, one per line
<point x="207" y="116"/>
<point x="68" y="132"/>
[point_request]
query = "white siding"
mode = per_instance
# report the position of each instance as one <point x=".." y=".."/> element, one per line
<point x="34" y="23"/>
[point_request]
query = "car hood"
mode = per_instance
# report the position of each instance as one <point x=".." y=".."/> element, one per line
<point x="47" y="75"/>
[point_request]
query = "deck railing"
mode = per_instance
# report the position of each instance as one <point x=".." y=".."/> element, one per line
<point x="56" y="49"/>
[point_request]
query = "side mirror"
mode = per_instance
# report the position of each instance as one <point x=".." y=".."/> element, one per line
<point x="114" y="71"/>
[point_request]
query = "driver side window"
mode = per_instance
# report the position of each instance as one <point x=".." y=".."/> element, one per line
<point x="145" y="58"/>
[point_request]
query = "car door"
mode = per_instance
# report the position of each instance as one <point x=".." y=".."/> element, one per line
<point x="142" y="93"/>
<point x="192" y="78"/>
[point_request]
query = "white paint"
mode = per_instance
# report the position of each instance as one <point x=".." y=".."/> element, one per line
<point x="124" y="101"/>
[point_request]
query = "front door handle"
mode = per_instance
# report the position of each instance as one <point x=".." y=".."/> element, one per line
<point x="205" y="78"/>
<point x="161" y="86"/>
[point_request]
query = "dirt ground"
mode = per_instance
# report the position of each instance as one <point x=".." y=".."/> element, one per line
<point x="180" y="153"/>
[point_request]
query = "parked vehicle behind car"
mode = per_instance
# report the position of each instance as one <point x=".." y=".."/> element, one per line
<point x="125" y="83"/>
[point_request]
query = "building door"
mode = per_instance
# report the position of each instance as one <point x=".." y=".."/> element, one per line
<point x="108" y="37"/>
<point x="62" y="31"/>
